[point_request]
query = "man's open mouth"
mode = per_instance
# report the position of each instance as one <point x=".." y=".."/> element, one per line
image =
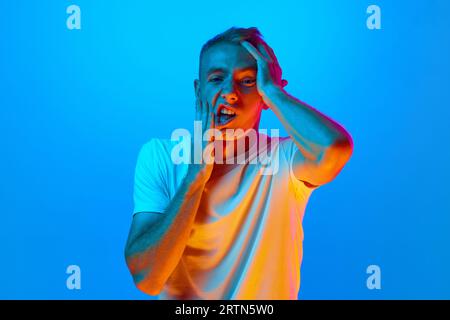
<point x="225" y="114"/>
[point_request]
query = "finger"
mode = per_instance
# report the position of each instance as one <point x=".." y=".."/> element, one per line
<point x="264" y="52"/>
<point x="213" y="119"/>
<point x="212" y="114"/>
<point x="215" y="114"/>
<point x="209" y="154"/>
<point x="213" y="151"/>
<point x="205" y="115"/>
<point x="208" y="110"/>
<point x="213" y="107"/>
<point x="276" y="64"/>
<point x="208" y="126"/>
<point x="253" y="51"/>
<point x="212" y="138"/>
<point x="198" y="112"/>
<point x="199" y="103"/>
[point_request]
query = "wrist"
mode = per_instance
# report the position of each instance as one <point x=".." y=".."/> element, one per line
<point x="271" y="94"/>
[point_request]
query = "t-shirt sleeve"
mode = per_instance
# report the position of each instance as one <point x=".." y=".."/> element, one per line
<point x="150" y="179"/>
<point x="290" y="149"/>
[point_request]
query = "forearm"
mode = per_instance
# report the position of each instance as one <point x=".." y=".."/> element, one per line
<point x="155" y="252"/>
<point x="313" y="132"/>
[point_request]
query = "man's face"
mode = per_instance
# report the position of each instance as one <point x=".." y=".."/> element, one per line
<point x="228" y="83"/>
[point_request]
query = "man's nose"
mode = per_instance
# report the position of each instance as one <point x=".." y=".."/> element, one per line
<point x="229" y="94"/>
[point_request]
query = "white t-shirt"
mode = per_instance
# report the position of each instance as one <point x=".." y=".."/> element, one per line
<point x="246" y="242"/>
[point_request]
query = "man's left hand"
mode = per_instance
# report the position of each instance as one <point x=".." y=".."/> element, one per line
<point x="269" y="74"/>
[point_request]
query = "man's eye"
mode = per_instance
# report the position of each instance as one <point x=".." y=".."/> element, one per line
<point x="215" y="79"/>
<point x="248" y="82"/>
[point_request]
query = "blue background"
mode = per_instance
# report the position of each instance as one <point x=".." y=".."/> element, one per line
<point x="76" y="106"/>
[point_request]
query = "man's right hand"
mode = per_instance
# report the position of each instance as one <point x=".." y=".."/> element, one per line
<point x="157" y="239"/>
<point x="201" y="172"/>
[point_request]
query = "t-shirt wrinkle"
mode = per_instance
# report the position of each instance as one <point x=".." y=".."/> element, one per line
<point x="246" y="240"/>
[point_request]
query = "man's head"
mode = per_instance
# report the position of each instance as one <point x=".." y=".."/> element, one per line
<point x="227" y="78"/>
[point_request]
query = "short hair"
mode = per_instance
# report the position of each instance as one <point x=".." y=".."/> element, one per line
<point x="236" y="35"/>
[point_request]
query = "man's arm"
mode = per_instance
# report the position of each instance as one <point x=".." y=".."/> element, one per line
<point x="324" y="145"/>
<point x="157" y="240"/>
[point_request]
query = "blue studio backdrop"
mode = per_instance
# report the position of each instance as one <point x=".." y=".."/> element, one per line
<point x="76" y="105"/>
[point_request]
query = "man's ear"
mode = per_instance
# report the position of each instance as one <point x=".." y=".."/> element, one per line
<point x="197" y="88"/>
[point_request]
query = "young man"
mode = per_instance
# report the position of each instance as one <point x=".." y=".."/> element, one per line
<point x="226" y="229"/>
